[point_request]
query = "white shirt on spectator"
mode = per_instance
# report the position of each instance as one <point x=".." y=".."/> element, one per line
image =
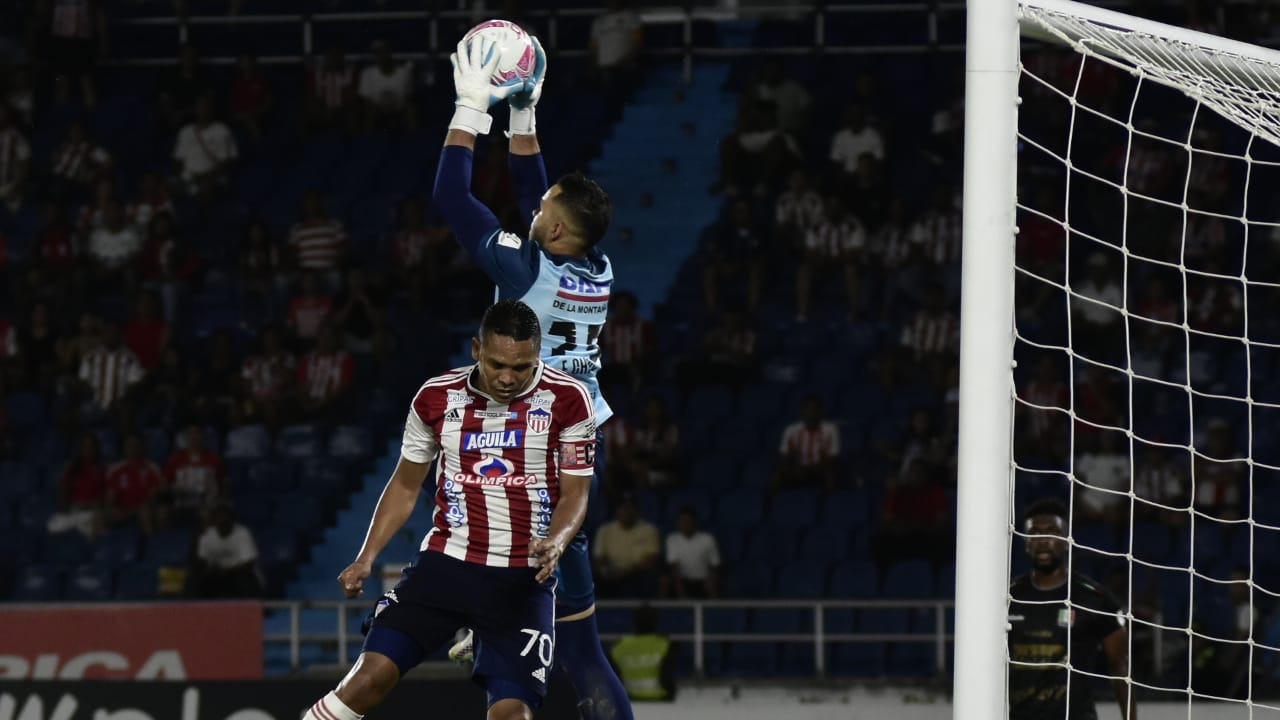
<point x="237" y="548"/>
<point x="1106" y="314"/>
<point x="799" y="210"/>
<point x="847" y="146"/>
<point x="15" y="151"/>
<point x="385" y="91"/>
<point x="614" y="36"/>
<point x="835" y="239"/>
<point x="1107" y="471"/>
<point x="114" y="248"/>
<point x="693" y="557"/>
<point x="200" y="150"/>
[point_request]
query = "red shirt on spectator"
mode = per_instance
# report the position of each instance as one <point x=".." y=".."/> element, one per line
<point x="55" y="248"/>
<point x="307" y="314"/>
<point x="628" y="342"/>
<point x="324" y="375"/>
<point x="267" y="377"/>
<point x="147" y="339"/>
<point x="194" y="477"/>
<point x="249" y="93"/>
<point x="84" y="485"/>
<point x="916" y="506"/>
<point x="132" y="483"/>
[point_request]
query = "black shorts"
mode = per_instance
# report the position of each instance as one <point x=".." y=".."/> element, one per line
<point x="512" y="615"/>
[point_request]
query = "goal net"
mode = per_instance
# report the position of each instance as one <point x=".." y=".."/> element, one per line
<point x="1147" y="345"/>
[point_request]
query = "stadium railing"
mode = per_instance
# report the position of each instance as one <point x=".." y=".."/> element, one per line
<point x="343" y="637"/>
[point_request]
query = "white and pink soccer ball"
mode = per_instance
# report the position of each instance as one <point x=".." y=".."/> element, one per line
<point x="517" y="58"/>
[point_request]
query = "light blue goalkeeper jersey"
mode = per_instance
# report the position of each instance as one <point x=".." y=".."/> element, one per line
<point x="570" y="295"/>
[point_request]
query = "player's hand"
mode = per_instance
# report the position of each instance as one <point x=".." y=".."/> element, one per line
<point x="352" y="579"/>
<point x="473" y="69"/>
<point x="546" y="555"/>
<point x="531" y="91"/>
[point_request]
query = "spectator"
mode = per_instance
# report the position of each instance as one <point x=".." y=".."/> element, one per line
<point x="835" y="242"/>
<point x="1165" y="484"/>
<point x="643" y="659"/>
<point x="923" y="444"/>
<point x="111" y="371"/>
<point x="78" y="31"/>
<point x="867" y="192"/>
<point x="250" y="95"/>
<point x="809" y="450"/>
<point x="169" y="263"/>
<point x="268" y="378"/>
<point x="626" y="551"/>
<point x="616" y="39"/>
<point x="226" y="562"/>
<point x="798" y="210"/>
<point x="358" y="312"/>
<point x="893" y="253"/>
<point x="654" y="448"/>
<point x="757" y="153"/>
<point x="317" y="241"/>
<point x="309" y="308"/>
<point x="734" y="251"/>
<point x="386" y="89"/>
<point x="133" y="487"/>
<point x="147" y="334"/>
<point x="195" y="477"/>
<point x="693" y="560"/>
<point x="55" y="250"/>
<point x="416" y="248"/>
<point x="152" y="200"/>
<point x="15" y="161"/>
<point x="72" y="350"/>
<point x="915" y="520"/>
<point x="937" y="233"/>
<point x="39" y="344"/>
<point x="1104" y="479"/>
<point x="20" y="95"/>
<point x="260" y="270"/>
<point x="324" y="377"/>
<point x="331" y="92"/>
<point x="789" y="98"/>
<point x="628" y="341"/>
<point x="1219" y="474"/>
<point x="1045" y="416"/>
<point x="81" y="489"/>
<point x="933" y="330"/>
<point x="182" y="87"/>
<point x="94" y="215"/>
<point x="728" y="355"/>
<point x="78" y="161"/>
<point x="114" y="246"/>
<point x="205" y="151"/>
<point x="854" y="138"/>
<point x="1095" y="313"/>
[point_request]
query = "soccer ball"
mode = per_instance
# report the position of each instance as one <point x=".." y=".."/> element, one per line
<point x="517" y="58"/>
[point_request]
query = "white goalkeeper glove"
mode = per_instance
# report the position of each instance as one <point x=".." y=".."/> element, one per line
<point x="473" y="83"/>
<point x="523" y="103"/>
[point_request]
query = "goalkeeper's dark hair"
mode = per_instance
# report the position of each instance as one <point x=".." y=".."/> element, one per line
<point x="588" y="204"/>
<point x="513" y="319"/>
<point x="1047" y="506"/>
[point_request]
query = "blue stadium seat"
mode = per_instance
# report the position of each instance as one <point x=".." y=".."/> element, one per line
<point x="136" y="581"/>
<point x="24" y="411"/>
<point x="751" y="581"/>
<point x="278" y="474"/>
<point x="741" y="508"/>
<point x="773" y="545"/>
<point x="1096" y="537"/>
<point x="794" y="508"/>
<point x="854" y="579"/>
<point x="717" y="472"/>
<point x="18" y="479"/>
<point x="89" y="583"/>
<point x="350" y="441"/>
<point x="696" y="498"/>
<point x="256" y="508"/>
<point x="38" y="582"/>
<point x="158" y="444"/>
<point x="846" y="509"/>
<point x="1151" y="542"/>
<point x="752" y="660"/>
<point x="801" y="579"/>
<point x="908" y="580"/>
<point x="169" y="547"/>
<point x="825" y="544"/>
<point x="299" y="512"/>
<point x="322" y="477"/>
<point x="300" y="441"/>
<point x="67" y="548"/>
<point x="248" y="442"/>
<point x="649" y="505"/>
<point x="118" y="547"/>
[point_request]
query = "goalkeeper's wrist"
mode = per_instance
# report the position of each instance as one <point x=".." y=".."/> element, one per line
<point x="522" y="122"/>
<point x="476" y="122"/>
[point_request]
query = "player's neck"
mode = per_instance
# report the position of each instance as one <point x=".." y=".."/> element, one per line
<point x="1050" y="580"/>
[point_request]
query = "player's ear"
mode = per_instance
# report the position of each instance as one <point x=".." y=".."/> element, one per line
<point x="475" y="349"/>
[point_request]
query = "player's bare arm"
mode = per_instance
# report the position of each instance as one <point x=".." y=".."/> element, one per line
<point x="394" y="508"/>
<point x="1116" y="647"/>
<point x="570" y="511"/>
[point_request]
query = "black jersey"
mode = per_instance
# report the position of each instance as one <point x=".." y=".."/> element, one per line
<point x="1038" y="625"/>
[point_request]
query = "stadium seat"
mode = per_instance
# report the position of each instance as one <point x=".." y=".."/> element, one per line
<point x="794" y="508"/>
<point x="248" y="442"/>
<point x="749" y="581"/>
<point x="118" y="547"/>
<point x="277" y="474"/>
<point x="300" y="441"/>
<point x="136" y="581"/>
<point x="825" y="544"/>
<point x="89" y="583"/>
<point x="700" y="500"/>
<point x="299" y="512"/>
<point x="24" y="411"/>
<point x="801" y="579"/>
<point x="773" y="545"/>
<point x="38" y="582"/>
<point x="169" y="547"/>
<point x="322" y="477"/>
<point x="751" y="660"/>
<point x="741" y="508"/>
<point x="846" y="509"/>
<point x="350" y="441"/>
<point x="908" y="580"/>
<point x="854" y="579"/>
<point x="67" y="548"/>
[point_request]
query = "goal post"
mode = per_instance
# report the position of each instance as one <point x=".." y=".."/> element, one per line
<point x="1191" y="119"/>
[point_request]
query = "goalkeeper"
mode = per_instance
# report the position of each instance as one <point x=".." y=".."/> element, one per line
<point x="560" y="272"/>
<point x="1045" y="632"/>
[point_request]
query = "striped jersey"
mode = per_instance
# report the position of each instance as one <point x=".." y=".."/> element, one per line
<point x="497" y="479"/>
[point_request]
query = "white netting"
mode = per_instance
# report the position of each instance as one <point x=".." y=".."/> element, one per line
<point x="1148" y="342"/>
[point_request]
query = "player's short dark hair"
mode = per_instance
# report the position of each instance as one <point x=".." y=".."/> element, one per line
<point x="513" y="319"/>
<point x="1047" y="506"/>
<point x="588" y="204"/>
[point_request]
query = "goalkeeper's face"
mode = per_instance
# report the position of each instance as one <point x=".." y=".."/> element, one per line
<point x="549" y="226"/>
<point x="1046" y="545"/>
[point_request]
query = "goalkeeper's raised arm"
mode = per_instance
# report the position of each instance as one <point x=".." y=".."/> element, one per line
<point x="524" y="156"/>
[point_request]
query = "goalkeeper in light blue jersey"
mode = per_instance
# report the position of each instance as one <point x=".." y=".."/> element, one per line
<point x="561" y="273"/>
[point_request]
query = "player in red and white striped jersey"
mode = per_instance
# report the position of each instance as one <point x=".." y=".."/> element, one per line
<point x="111" y="369"/>
<point x="514" y="445"/>
<point x="934" y="329"/>
<point x="831" y="246"/>
<point x="809" y="449"/>
<point x="318" y="241"/>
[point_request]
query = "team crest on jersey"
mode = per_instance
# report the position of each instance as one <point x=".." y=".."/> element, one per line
<point x="493" y="440"/>
<point x="539" y="420"/>
<point x="453" y="417"/>
<point x="493" y="467"/>
<point x="458" y="397"/>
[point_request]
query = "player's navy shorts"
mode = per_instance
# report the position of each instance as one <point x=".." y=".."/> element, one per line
<point x="511" y="613"/>
<point x="577" y="589"/>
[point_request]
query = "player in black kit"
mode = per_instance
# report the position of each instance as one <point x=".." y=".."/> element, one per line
<point x="1040" y="623"/>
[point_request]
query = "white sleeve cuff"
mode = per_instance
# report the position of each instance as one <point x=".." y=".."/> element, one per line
<point x="471" y="120"/>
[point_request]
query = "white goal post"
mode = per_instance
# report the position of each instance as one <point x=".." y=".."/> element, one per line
<point x="1237" y="81"/>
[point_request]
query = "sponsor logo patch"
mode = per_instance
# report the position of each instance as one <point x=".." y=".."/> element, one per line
<point x="493" y="440"/>
<point x="539" y="420"/>
<point x="1066" y="617"/>
<point x="493" y="467"/>
<point x="496" y="415"/>
<point x="458" y="397"/>
<point x="540" y="401"/>
<point x="540" y="675"/>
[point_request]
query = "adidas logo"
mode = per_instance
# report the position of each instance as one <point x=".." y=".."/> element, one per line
<point x="453" y="416"/>
<point x="540" y="675"/>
